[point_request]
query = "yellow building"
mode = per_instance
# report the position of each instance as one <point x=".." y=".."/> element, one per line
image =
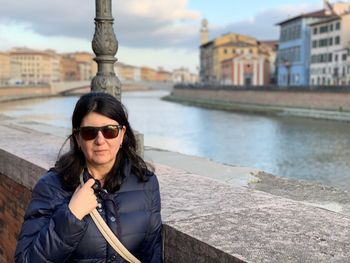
<point x="127" y="72"/>
<point x="77" y="66"/>
<point x="36" y="67"/>
<point x="69" y="68"/>
<point x="225" y="47"/>
<point x="148" y="74"/>
<point x="87" y="67"/>
<point x="215" y="53"/>
<point x="163" y="75"/>
<point x="5" y="68"/>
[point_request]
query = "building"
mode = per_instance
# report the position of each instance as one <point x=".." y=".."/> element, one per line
<point x="77" y="66"/>
<point x="36" y="67"/>
<point x="246" y="70"/>
<point x="87" y="67"/>
<point x="294" y="44"/>
<point x="148" y="74"/>
<point x="163" y="75"/>
<point x="330" y="40"/>
<point x="69" y="68"/>
<point x="218" y="56"/>
<point x="269" y="48"/>
<point x="225" y="47"/>
<point x="183" y="75"/>
<point x="127" y="72"/>
<point x="10" y="70"/>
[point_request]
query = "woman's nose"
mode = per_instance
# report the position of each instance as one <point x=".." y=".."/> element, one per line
<point x="99" y="138"/>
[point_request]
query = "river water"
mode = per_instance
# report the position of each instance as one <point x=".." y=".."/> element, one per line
<point x="299" y="148"/>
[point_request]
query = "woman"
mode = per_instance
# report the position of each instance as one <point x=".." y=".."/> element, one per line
<point x="57" y="226"/>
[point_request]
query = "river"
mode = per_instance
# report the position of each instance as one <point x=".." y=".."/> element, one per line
<point x="300" y="148"/>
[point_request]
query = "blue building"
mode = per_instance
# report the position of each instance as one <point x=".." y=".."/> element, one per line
<point x="293" y="57"/>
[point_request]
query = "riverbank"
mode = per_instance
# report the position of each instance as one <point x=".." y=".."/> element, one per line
<point x="8" y="94"/>
<point x="299" y="103"/>
<point x="312" y="193"/>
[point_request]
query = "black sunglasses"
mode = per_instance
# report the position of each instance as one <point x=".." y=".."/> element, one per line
<point x="90" y="133"/>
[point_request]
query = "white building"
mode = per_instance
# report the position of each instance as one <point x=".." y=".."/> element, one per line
<point x="330" y="40"/>
<point x="183" y="75"/>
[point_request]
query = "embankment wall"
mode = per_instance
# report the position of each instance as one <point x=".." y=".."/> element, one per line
<point x="325" y="100"/>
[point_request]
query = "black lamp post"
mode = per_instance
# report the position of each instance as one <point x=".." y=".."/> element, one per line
<point x="105" y="46"/>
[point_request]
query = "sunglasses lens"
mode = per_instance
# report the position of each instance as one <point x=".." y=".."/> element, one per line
<point x="110" y="132"/>
<point x="88" y="133"/>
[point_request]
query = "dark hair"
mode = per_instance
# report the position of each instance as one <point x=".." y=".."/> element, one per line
<point x="70" y="164"/>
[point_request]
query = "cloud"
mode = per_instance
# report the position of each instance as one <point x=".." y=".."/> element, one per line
<point x="263" y="24"/>
<point x="138" y="23"/>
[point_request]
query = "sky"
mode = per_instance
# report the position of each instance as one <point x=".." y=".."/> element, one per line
<point x="155" y="33"/>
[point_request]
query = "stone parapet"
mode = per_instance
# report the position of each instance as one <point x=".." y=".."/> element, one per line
<point x="204" y="220"/>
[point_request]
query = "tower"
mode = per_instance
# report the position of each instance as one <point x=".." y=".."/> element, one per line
<point x="204" y="33"/>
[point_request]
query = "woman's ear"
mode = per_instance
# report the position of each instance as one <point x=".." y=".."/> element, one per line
<point x="76" y="138"/>
<point x="123" y="130"/>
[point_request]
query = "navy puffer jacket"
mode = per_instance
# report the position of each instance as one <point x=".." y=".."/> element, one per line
<point x="51" y="233"/>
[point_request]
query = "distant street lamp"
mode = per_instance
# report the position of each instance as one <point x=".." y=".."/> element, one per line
<point x="288" y="66"/>
<point x="105" y="46"/>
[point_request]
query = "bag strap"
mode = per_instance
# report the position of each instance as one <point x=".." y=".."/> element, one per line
<point x="109" y="235"/>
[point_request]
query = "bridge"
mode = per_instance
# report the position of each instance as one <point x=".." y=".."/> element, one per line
<point x="72" y="87"/>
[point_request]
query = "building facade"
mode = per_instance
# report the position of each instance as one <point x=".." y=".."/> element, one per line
<point x="36" y="67"/>
<point x="223" y="59"/>
<point x="213" y="53"/>
<point x="183" y="75"/>
<point x="330" y="40"/>
<point x="294" y="50"/>
<point x="246" y="70"/>
<point x="10" y="70"/>
<point x="127" y="72"/>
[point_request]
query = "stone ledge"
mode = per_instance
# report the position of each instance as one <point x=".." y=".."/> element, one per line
<point x="204" y="218"/>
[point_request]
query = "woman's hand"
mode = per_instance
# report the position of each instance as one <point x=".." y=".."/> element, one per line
<point x="83" y="200"/>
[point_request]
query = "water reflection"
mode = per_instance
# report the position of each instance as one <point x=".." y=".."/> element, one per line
<point x="293" y="147"/>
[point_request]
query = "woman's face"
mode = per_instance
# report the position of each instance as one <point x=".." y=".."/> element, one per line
<point x="100" y="151"/>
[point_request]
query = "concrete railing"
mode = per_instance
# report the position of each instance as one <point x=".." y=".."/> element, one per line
<point x="204" y="220"/>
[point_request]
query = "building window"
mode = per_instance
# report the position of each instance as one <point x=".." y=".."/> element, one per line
<point x="296" y="78"/>
<point x="330" y="56"/>
<point x="314" y="43"/>
<point x="336" y="57"/>
<point x="337" y="26"/>
<point x="330" y="41"/>
<point x="343" y="57"/>
<point x="225" y="51"/>
<point x="315" y="31"/>
<point x="337" y="40"/>
<point x="331" y="27"/>
<point x="323" y="29"/>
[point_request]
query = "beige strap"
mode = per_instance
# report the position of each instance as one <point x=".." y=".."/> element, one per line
<point x="109" y="235"/>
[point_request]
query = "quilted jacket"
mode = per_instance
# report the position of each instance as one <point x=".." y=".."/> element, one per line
<point x="51" y="233"/>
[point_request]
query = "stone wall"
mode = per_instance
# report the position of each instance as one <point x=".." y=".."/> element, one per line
<point x="14" y="198"/>
<point x="324" y="100"/>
